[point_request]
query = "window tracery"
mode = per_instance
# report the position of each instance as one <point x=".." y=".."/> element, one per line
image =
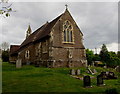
<point x="67" y="32"/>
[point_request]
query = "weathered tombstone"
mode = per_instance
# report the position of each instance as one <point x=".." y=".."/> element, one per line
<point x="117" y="68"/>
<point x="87" y="71"/>
<point x="107" y="72"/>
<point x="72" y="72"/>
<point x="111" y="75"/>
<point x="78" y="72"/>
<point x="94" y="70"/>
<point x="93" y="64"/>
<point x="104" y="76"/>
<point x="90" y="71"/>
<point x="18" y="63"/>
<point x="99" y="80"/>
<point x="105" y="67"/>
<point x="87" y="81"/>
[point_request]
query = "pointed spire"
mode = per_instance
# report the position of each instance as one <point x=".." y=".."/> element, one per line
<point x="29" y="31"/>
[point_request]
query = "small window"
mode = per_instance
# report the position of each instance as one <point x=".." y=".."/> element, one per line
<point x="27" y="54"/>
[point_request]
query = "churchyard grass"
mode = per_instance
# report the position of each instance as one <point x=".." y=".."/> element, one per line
<point x="40" y="79"/>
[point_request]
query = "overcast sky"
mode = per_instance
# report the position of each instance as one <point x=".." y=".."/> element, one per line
<point x="98" y="21"/>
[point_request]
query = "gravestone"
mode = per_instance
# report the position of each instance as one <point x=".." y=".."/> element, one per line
<point x="94" y="70"/>
<point x="111" y="75"/>
<point x="99" y="80"/>
<point x="117" y="68"/>
<point x="87" y="81"/>
<point x="78" y="72"/>
<point x="105" y="67"/>
<point x="18" y="63"/>
<point x="104" y="75"/>
<point x="90" y="71"/>
<point x="72" y="72"/>
<point x="87" y="71"/>
<point x="107" y="72"/>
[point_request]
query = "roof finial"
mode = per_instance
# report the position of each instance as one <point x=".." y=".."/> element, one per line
<point x="66" y="6"/>
<point x="29" y="24"/>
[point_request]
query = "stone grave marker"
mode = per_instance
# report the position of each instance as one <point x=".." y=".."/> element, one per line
<point x="87" y="81"/>
<point x="117" y="68"/>
<point x="72" y="72"/>
<point x="18" y="63"/>
<point x="111" y="75"/>
<point x="94" y="70"/>
<point x="107" y="72"/>
<point x="104" y="75"/>
<point x="105" y="67"/>
<point x="99" y="80"/>
<point x="90" y="71"/>
<point x="78" y="72"/>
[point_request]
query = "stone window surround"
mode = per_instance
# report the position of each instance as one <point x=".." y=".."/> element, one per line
<point x="72" y="42"/>
<point x="27" y="54"/>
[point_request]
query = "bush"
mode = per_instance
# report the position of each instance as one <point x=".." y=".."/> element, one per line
<point x="5" y="56"/>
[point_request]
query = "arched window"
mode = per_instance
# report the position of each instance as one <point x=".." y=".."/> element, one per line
<point x="27" y="54"/>
<point x="67" y="32"/>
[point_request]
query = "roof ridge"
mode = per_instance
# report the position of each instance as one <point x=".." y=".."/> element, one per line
<point x="41" y="32"/>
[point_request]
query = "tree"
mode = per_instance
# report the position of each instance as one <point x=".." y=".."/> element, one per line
<point x="5" y="56"/>
<point x="5" y="46"/>
<point x="118" y="54"/>
<point x="89" y="56"/>
<point x="96" y="57"/>
<point x="5" y="8"/>
<point x="114" y="59"/>
<point x="104" y="54"/>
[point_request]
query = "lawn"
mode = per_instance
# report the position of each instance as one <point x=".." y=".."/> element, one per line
<point x="32" y="79"/>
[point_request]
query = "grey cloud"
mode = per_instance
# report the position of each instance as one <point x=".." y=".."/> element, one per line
<point x="97" y="21"/>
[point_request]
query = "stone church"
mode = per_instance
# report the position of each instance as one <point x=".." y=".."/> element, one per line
<point x="58" y="43"/>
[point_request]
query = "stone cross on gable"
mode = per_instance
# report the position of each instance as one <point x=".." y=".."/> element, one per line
<point x="66" y="6"/>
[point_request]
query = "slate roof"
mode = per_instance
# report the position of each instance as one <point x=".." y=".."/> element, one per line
<point x="40" y="33"/>
<point x="14" y="48"/>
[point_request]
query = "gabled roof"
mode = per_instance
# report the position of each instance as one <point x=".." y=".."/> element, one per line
<point x="40" y="33"/>
<point x="14" y="48"/>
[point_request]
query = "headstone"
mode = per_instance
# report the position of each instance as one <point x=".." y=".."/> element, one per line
<point x="72" y="72"/>
<point x="117" y="68"/>
<point x="90" y="71"/>
<point x="111" y="75"/>
<point x="93" y="64"/>
<point x="104" y="76"/>
<point x="18" y="63"/>
<point x="99" y="80"/>
<point x="87" y="71"/>
<point x="107" y="72"/>
<point x="105" y="67"/>
<point x="78" y="72"/>
<point x="94" y="70"/>
<point x="87" y="81"/>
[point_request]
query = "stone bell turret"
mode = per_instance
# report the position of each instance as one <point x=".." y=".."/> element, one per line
<point x="29" y="31"/>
